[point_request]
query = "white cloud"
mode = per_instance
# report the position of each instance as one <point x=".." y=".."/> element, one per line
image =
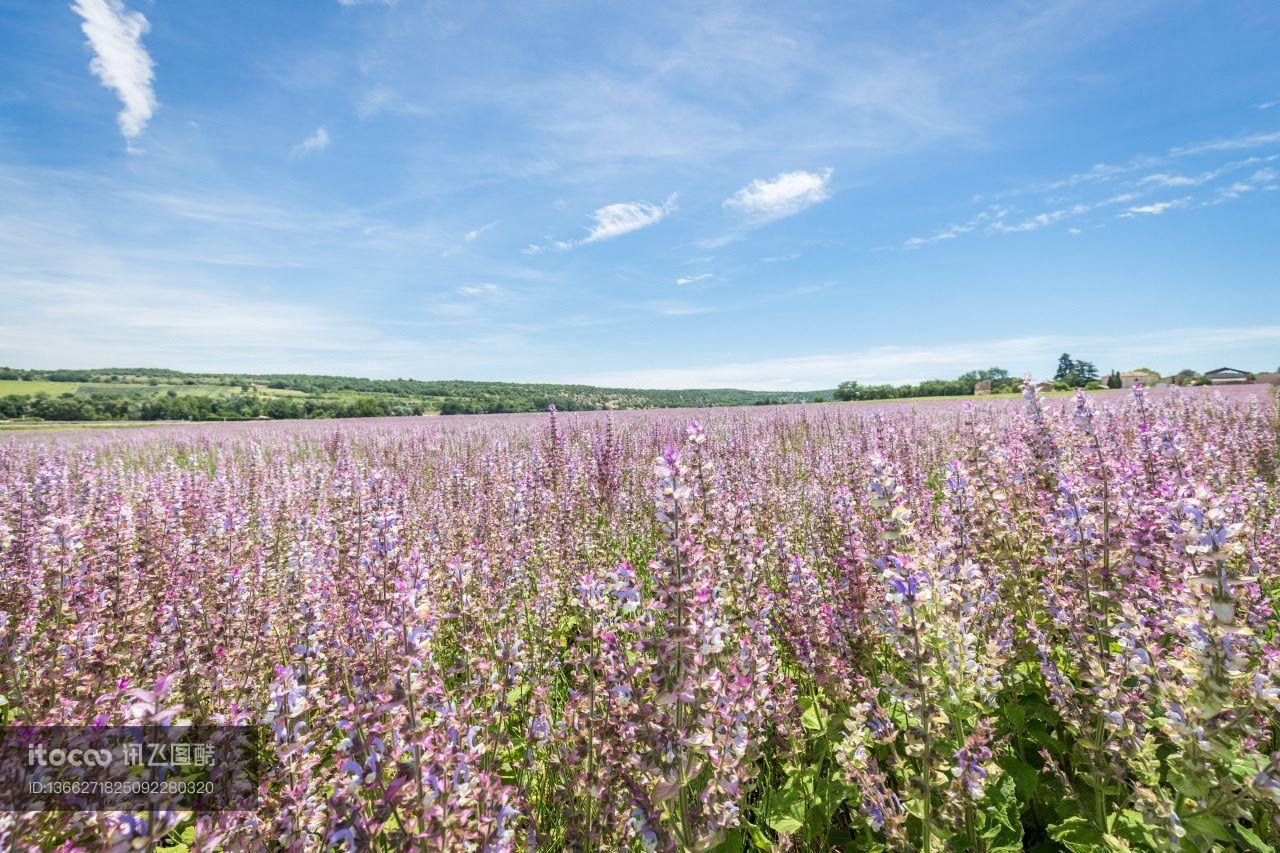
<point x="367" y="2"/>
<point x="783" y="195"/>
<point x="1261" y="179"/>
<point x="1125" y="186"/>
<point x="113" y="316"/>
<point x="120" y="61"/>
<point x="317" y="141"/>
<point x="946" y="234"/>
<point x="1166" y="350"/>
<point x="614" y="220"/>
<point x="1041" y="220"/>
<point x="1237" y="143"/>
<point x="483" y="290"/>
<point x="1163" y="179"/>
<point x="681" y="309"/>
<point x="690" y="279"/>
<point x="476" y="232"/>
<point x="1155" y="208"/>
<point x="1266" y="105"/>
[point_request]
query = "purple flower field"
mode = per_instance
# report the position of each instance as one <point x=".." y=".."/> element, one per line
<point x="992" y="625"/>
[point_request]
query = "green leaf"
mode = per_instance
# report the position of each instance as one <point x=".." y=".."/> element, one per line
<point x="1251" y="838"/>
<point x="1001" y="808"/>
<point x="787" y="806"/>
<point x="1040" y="735"/>
<point x="811" y="719"/>
<point x="1208" y="826"/>
<point x="1191" y="787"/>
<point x="1248" y="765"/>
<point x="1133" y="827"/>
<point x="1026" y="777"/>
<point x="1078" y="835"/>
<point x="758" y="838"/>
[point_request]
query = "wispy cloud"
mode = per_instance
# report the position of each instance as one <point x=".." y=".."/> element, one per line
<point x="1165" y="350"/>
<point x="1234" y="143"/>
<point x="1163" y="179"/>
<point x="476" y="232"/>
<point x="483" y="290"/>
<point x="614" y="220"/>
<point x="784" y="195"/>
<point x="948" y="233"/>
<point x="1266" y="105"/>
<point x="690" y="279"/>
<point x="120" y="61"/>
<point x="317" y="141"/>
<point x="1261" y="179"/>
<point x="682" y="309"/>
<point x="1155" y="208"/>
<point x="1079" y="195"/>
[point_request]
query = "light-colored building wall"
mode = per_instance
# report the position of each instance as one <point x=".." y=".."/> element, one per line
<point x="1129" y="377"/>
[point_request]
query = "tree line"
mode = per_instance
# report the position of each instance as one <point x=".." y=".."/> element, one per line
<point x="1001" y="382"/>
<point x="1071" y="373"/>
<point x="195" y="407"/>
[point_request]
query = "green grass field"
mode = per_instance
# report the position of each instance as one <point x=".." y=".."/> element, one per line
<point x="21" y="386"/>
<point x="121" y="389"/>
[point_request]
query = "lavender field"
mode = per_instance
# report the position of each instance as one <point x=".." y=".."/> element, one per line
<point x="1019" y="624"/>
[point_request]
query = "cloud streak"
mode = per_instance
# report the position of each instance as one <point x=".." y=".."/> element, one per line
<point x="1155" y="208"/>
<point x="614" y="220"/>
<point x="1076" y="196"/>
<point x="120" y="61"/>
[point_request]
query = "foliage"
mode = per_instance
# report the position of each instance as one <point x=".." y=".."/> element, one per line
<point x="963" y="385"/>
<point x="1074" y="372"/>
<point x="975" y="626"/>
<point x="93" y="395"/>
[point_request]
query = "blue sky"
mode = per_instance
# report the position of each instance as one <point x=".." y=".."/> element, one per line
<point x="773" y="196"/>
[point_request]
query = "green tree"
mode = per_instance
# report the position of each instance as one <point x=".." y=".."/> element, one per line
<point x="848" y="391"/>
<point x="1066" y="367"/>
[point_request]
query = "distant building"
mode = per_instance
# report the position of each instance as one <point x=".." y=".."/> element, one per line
<point x="983" y="387"/>
<point x="1227" y="376"/>
<point x="1128" y="378"/>
<point x="1045" y="385"/>
<point x="1268" y="378"/>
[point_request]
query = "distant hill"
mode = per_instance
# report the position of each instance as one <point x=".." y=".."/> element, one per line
<point x="132" y="393"/>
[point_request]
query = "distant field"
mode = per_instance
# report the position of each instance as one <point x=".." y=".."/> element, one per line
<point x="37" y="386"/>
<point x="111" y="389"/>
<point x="131" y="389"/>
<point x="33" y="426"/>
